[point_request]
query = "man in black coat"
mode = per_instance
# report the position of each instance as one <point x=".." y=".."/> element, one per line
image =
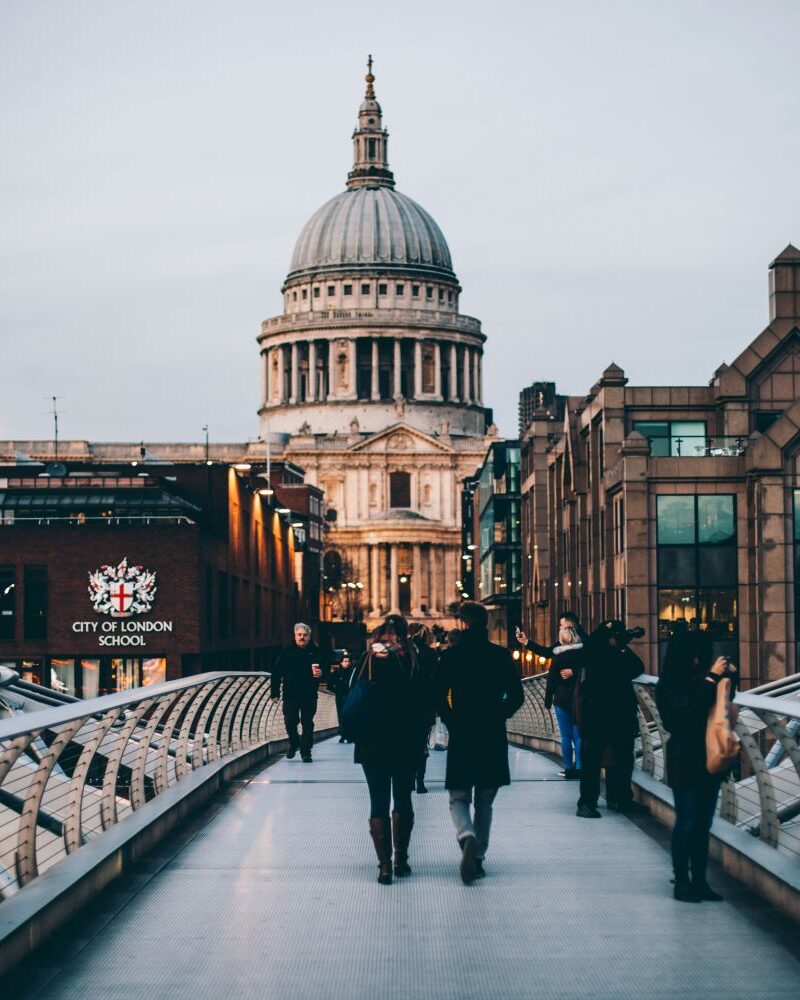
<point x="299" y="669"/>
<point x="477" y="690"/>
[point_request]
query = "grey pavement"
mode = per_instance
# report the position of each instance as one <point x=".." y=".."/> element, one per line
<point x="273" y="895"/>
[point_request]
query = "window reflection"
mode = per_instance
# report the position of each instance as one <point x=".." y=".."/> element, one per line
<point x="62" y="676"/>
<point x="154" y="671"/>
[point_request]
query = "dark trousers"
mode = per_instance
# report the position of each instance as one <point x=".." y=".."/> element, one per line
<point x="694" y="814"/>
<point x="618" y="775"/>
<point x="300" y="711"/>
<point x="383" y="784"/>
<point x="340" y="700"/>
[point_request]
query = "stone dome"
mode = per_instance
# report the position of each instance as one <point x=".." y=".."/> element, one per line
<point x="364" y="228"/>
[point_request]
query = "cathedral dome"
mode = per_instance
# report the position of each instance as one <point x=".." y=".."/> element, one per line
<point x="364" y="228"/>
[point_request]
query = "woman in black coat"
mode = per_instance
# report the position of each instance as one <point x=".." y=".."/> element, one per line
<point x="568" y="659"/>
<point x="607" y="720"/>
<point x="339" y="678"/>
<point x="685" y="695"/>
<point x="390" y="750"/>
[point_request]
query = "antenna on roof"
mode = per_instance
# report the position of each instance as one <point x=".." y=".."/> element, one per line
<point x="54" y="400"/>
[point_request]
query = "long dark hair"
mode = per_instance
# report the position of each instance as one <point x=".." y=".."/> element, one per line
<point x="688" y="656"/>
<point x="394" y="632"/>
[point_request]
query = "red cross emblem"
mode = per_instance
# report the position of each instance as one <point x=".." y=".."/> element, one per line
<point x="122" y="597"/>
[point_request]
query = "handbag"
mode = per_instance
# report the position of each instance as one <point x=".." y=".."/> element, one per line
<point x="439" y="738"/>
<point x="722" y="743"/>
<point x="358" y="710"/>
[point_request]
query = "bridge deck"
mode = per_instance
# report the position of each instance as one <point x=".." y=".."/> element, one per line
<point x="273" y="896"/>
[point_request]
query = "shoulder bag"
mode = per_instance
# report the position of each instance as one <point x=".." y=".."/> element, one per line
<point x="722" y="743"/>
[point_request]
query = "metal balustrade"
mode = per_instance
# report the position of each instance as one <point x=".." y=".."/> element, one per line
<point x="69" y="774"/>
<point x="762" y="794"/>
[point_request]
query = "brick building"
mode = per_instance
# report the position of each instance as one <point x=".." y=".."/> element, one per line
<point x="116" y="576"/>
<point x="676" y="503"/>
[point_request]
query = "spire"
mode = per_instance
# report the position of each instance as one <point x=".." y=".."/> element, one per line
<point x="370" y="142"/>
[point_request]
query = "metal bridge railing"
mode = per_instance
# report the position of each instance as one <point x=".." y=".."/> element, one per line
<point x="762" y="794"/>
<point x="68" y="774"/>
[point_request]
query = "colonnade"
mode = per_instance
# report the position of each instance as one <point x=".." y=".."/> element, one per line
<point x="414" y="577"/>
<point x="372" y="368"/>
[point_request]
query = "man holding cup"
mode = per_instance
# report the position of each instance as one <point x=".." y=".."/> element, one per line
<point x="299" y="669"/>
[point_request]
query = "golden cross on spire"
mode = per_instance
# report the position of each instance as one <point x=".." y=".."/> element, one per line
<point x="369" y="78"/>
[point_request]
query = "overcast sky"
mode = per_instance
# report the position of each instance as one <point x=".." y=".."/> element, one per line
<point x="613" y="180"/>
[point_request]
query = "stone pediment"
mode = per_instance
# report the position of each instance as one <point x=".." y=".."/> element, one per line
<point x="402" y="440"/>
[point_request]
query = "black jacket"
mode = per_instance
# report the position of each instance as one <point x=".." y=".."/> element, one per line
<point x="684" y="703"/>
<point x="558" y="691"/>
<point x="607" y="698"/>
<point x="293" y="671"/>
<point x="477" y="690"/>
<point x="339" y="681"/>
<point x="401" y="703"/>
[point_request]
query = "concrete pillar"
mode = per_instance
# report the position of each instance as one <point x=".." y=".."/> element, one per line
<point x="394" y="582"/>
<point x="416" y="580"/>
<point x="295" y="385"/>
<point x="417" y="368"/>
<point x="374" y="579"/>
<point x="437" y="369"/>
<point x="466" y="377"/>
<point x="453" y="373"/>
<point x="375" y="389"/>
<point x="311" y="395"/>
<point x="396" y="368"/>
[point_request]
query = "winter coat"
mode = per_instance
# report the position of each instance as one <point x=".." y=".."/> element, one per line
<point x="605" y="692"/>
<point x="548" y="652"/>
<point x="684" y="703"/>
<point x="339" y="679"/>
<point x="559" y="691"/>
<point x="477" y="690"/>
<point x="293" y="672"/>
<point x="401" y="702"/>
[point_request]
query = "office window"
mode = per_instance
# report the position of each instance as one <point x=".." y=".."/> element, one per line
<point x="8" y="597"/>
<point x="675" y="438"/>
<point x="399" y="489"/>
<point x="35" y="602"/>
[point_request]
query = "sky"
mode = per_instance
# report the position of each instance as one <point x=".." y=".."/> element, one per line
<point x="613" y="180"/>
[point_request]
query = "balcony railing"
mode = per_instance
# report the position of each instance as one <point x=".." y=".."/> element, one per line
<point x="373" y="317"/>
<point x="700" y="446"/>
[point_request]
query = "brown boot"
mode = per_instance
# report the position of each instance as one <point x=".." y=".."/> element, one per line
<point x="402" y="825"/>
<point x="381" y="834"/>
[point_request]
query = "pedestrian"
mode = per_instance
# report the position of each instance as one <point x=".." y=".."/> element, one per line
<point x="390" y="749"/>
<point x="477" y="690"/>
<point x="423" y="640"/>
<point x="606" y="704"/>
<point x="685" y="694"/>
<point x="568" y="619"/>
<point x="339" y="678"/>
<point x="299" y="670"/>
<point x="567" y="662"/>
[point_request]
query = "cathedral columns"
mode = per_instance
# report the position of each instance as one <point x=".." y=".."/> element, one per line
<point x="375" y="388"/>
<point x="398" y="385"/>
<point x="417" y="368"/>
<point x="374" y="579"/>
<point x="467" y="394"/>
<point x="295" y="374"/>
<point x="476" y="360"/>
<point x="394" y="582"/>
<point x="311" y="389"/>
<point x="265" y="396"/>
<point x="437" y="369"/>
<point x="453" y="373"/>
<point x="416" y="580"/>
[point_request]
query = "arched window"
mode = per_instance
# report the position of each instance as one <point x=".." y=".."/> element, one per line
<point x="399" y="489"/>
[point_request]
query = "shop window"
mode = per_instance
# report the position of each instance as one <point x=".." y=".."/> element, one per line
<point x="35" y="602"/>
<point x="62" y="676"/>
<point x="8" y="597"/>
<point x="399" y="489"/>
<point x="154" y="671"/>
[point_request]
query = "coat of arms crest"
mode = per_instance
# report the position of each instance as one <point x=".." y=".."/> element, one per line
<point x="122" y="591"/>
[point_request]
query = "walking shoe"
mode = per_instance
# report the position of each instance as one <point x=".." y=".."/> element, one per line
<point x="587" y="812"/>
<point x="402" y="825"/>
<point x="469" y="846"/>
<point x="342" y="739"/>
<point x="480" y="871"/>
<point x="291" y="753"/>
<point x="705" y="893"/>
<point x="306" y="758"/>
<point x="381" y="832"/>
<point x="684" y="891"/>
<point x="629" y="808"/>
<point x="421" y="789"/>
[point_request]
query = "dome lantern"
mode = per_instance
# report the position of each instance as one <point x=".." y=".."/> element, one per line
<point x="370" y="143"/>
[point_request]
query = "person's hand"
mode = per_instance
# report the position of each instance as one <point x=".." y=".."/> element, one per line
<point x="721" y="666"/>
<point x="316" y="670"/>
<point x="565" y="674"/>
<point x="522" y="638"/>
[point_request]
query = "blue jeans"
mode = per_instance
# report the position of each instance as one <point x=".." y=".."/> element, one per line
<point x="570" y="739"/>
<point x="694" y="814"/>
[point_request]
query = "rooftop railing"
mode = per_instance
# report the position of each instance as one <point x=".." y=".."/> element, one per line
<point x="373" y="317"/>
<point x="700" y="446"/>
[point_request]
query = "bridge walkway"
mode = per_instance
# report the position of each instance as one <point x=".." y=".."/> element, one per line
<point x="272" y="894"/>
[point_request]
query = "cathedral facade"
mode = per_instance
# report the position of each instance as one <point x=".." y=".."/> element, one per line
<point x="371" y="380"/>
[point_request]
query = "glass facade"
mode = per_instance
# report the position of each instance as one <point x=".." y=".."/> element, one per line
<point x="697" y="566"/>
<point x="673" y="438"/>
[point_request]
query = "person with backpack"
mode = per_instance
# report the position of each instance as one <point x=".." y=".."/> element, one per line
<point x="685" y="694"/>
<point x="477" y="690"/>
